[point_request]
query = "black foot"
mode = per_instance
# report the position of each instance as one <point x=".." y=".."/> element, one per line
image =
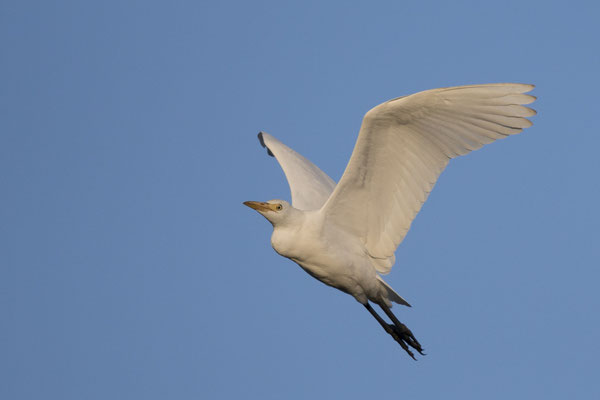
<point x="397" y="330"/>
<point x="405" y="338"/>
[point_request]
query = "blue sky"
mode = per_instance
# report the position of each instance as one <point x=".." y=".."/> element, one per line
<point x="129" y="268"/>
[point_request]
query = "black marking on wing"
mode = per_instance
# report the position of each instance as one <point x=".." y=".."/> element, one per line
<point x="262" y="143"/>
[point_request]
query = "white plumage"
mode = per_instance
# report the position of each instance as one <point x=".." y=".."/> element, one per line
<point x="345" y="234"/>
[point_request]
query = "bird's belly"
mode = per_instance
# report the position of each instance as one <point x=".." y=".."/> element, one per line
<point x="335" y="266"/>
<point x="313" y="257"/>
<point x="359" y="282"/>
<point x="329" y="274"/>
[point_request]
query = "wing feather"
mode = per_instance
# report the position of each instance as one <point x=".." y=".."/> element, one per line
<point x="404" y="145"/>
<point x="310" y="187"/>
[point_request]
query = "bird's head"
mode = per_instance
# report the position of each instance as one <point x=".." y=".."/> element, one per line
<point x="276" y="211"/>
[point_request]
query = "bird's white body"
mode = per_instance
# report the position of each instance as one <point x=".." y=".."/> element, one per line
<point x="346" y="234"/>
<point x="341" y="263"/>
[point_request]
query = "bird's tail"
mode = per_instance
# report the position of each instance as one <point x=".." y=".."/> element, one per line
<point x="391" y="294"/>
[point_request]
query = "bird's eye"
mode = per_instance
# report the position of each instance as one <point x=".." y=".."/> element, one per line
<point x="279" y="207"/>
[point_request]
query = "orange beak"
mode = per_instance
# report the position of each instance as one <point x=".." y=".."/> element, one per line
<point x="260" y="206"/>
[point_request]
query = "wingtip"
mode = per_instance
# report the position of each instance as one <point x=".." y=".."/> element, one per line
<point x="528" y="87"/>
<point x="261" y="139"/>
<point x="522" y="87"/>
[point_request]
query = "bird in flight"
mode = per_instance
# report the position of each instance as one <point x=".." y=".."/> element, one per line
<point x="346" y="234"/>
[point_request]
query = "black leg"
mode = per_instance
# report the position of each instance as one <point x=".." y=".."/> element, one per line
<point x="393" y="331"/>
<point x="402" y="331"/>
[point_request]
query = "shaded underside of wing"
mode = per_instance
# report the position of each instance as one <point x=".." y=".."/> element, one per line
<point x="404" y="145"/>
<point x="310" y="187"/>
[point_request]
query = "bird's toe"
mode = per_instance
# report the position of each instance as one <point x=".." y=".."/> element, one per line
<point x="405" y="338"/>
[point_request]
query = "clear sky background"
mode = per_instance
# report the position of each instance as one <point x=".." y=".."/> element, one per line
<point x="129" y="268"/>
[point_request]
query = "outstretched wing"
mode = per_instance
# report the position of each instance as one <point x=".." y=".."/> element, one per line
<point x="310" y="186"/>
<point x="404" y="145"/>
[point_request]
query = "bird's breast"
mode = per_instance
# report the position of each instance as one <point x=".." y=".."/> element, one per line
<point x="289" y="243"/>
<point x="299" y="243"/>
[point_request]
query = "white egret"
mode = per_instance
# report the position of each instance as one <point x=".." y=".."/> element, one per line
<point x="345" y="235"/>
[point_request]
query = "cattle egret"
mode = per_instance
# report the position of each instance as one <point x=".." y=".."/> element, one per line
<point x="345" y="235"/>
